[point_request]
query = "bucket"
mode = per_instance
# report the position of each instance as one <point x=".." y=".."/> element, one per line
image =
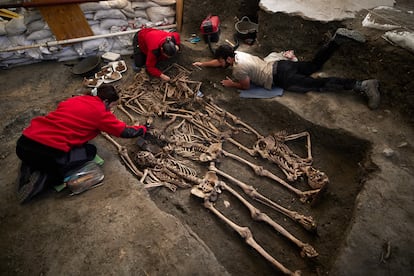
<point x="246" y="30"/>
<point x="88" y="66"/>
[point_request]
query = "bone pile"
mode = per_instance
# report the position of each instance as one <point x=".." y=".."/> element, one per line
<point x="190" y="133"/>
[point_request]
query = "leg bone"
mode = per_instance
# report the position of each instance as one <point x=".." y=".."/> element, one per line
<point x="307" y="196"/>
<point x="306" y="221"/>
<point x="123" y="152"/>
<point x="245" y="233"/>
<point x="307" y="249"/>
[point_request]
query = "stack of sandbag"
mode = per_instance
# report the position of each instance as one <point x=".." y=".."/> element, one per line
<point x="104" y="17"/>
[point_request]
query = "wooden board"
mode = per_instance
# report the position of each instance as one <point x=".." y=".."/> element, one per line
<point x="66" y="21"/>
<point x="179" y="6"/>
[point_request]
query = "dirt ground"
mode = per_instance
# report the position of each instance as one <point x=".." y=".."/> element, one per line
<point x="365" y="218"/>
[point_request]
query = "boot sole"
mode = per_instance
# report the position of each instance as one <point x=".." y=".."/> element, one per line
<point x="26" y="190"/>
<point x="351" y="34"/>
<point x="375" y="103"/>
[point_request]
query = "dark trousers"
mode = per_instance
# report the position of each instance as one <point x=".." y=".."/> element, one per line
<point x="53" y="162"/>
<point x="139" y="57"/>
<point x="295" y="76"/>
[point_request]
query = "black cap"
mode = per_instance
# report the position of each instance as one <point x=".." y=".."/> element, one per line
<point x="168" y="47"/>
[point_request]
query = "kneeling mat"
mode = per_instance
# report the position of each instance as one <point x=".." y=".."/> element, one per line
<point x="258" y="92"/>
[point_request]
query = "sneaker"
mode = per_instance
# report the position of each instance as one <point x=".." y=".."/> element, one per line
<point x="98" y="160"/>
<point x="370" y="89"/>
<point x="24" y="174"/>
<point x="343" y="35"/>
<point x="26" y="190"/>
<point x="136" y="68"/>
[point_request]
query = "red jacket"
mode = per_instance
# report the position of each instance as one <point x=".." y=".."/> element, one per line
<point x="74" y="122"/>
<point x="151" y="39"/>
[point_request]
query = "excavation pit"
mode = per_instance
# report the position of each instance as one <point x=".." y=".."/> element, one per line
<point x="344" y="158"/>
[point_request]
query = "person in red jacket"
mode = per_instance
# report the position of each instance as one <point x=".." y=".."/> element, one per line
<point x="152" y="45"/>
<point x="53" y="145"/>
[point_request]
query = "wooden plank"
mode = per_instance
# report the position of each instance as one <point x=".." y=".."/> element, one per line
<point x="179" y="6"/>
<point x="66" y="21"/>
<point x="38" y="3"/>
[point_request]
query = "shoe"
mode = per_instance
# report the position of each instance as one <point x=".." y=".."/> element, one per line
<point x="24" y="174"/>
<point x="370" y="89"/>
<point x="343" y="35"/>
<point x="98" y="160"/>
<point x="26" y="190"/>
<point x="136" y="68"/>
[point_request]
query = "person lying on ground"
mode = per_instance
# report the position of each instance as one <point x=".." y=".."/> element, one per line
<point x="57" y="143"/>
<point x="151" y="46"/>
<point x="291" y="75"/>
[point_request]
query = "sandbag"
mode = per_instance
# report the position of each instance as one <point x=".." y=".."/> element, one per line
<point x="16" y="26"/>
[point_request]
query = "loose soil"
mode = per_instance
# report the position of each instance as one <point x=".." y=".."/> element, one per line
<point x="121" y="228"/>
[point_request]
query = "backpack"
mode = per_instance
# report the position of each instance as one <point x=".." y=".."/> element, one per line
<point x="210" y="29"/>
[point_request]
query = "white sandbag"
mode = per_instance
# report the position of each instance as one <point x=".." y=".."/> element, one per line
<point x="129" y="14"/>
<point x="156" y="14"/>
<point x="123" y="40"/>
<point x="112" y="14"/>
<point x="164" y="2"/>
<point x="128" y="11"/>
<point x="34" y="53"/>
<point x="36" y="25"/>
<point x="117" y="4"/>
<point x="65" y="52"/>
<point x="16" y="26"/>
<point x="79" y="49"/>
<point x="108" y="23"/>
<point x="5" y="55"/>
<point x="31" y="15"/>
<point x="143" y="5"/>
<point x="403" y="39"/>
<point x="100" y="44"/>
<point x="3" y="27"/>
<point x="18" y="61"/>
<point x="47" y="49"/>
<point x="141" y="14"/>
<point x="19" y="40"/>
<point x="86" y="7"/>
<point x="93" y="22"/>
<point x="89" y="15"/>
<point x="42" y="34"/>
<point x="97" y="30"/>
<point x="49" y="57"/>
<point x="140" y="21"/>
<point x="120" y="48"/>
<point x="5" y="43"/>
<point x="170" y="20"/>
<point x="377" y="22"/>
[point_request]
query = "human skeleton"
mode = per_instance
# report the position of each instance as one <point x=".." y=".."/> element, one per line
<point x="195" y="131"/>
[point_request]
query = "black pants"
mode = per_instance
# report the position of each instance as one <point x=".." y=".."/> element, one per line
<point x="295" y="76"/>
<point x="55" y="163"/>
<point x="139" y="57"/>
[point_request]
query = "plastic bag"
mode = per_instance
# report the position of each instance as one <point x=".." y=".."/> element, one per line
<point x="84" y="178"/>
